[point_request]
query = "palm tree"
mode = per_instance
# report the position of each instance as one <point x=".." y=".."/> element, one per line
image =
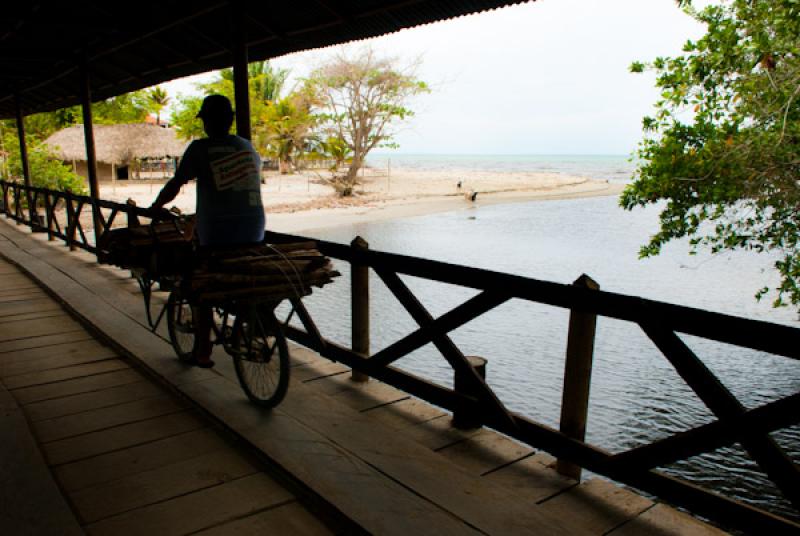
<point x="158" y="99"/>
<point x="266" y="82"/>
<point x="287" y="125"/>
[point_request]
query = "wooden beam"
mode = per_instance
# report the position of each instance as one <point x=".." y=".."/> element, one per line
<point x="768" y="418"/>
<point x="491" y="404"/>
<point x="453" y="319"/>
<point x="23" y="146"/>
<point x="763" y="449"/>
<point x="88" y="136"/>
<point x="23" y="155"/>
<point x="240" y="79"/>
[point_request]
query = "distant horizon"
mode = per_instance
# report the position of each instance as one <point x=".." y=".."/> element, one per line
<point x="416" y="153"/>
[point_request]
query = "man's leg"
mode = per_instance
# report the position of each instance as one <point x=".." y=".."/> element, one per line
<point x="204" y="318"/>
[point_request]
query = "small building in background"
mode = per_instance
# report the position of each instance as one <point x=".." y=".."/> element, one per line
<point x="133" y="151"/>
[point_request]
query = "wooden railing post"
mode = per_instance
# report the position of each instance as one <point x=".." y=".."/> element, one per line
<point x="17" y="205"/>
<point x="72" y="221"/>
<point x="359" y="291"/>
<point x="5" y="198"/>
<point x="48" y="215"/>
<point x="577" y="376"/>
<point x="464" y="385"/>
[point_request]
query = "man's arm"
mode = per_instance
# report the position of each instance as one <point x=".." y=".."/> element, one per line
<point x="168" y="192"/>
<point x="182" y="175"/>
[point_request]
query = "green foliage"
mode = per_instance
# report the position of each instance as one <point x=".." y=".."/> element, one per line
<point x="47" y="171"/>
<point x="285" y="128"/>
<point x="360" y="99"/>
<point x="184" y="117"/>
<point x="266" y="82"/>
<point x="127" y="108"/>
<point x="157" y="100"/>
<point x="722" y="149"/>
<point x="265" y="85"/>
<point x="338" y="150"/>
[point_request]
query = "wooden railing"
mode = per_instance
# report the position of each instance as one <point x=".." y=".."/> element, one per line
<point x="64" y="215"/>
<point x="661" y="322"/>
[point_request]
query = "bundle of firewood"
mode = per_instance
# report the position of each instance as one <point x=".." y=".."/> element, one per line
<point x="265" y="272"/>
<point x="163" y="248"/>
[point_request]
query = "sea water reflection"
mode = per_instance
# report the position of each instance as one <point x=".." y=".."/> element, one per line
<point x="636" y="395"/>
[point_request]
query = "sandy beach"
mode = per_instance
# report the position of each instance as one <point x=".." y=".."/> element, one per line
<point x="302" y="202"/>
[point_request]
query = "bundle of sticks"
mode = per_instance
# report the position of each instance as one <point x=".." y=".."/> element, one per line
<point x="265" y="272"/>
<point x="161" y="248"/>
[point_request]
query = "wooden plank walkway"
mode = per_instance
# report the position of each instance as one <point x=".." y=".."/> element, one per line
<point x="390" y="463"/>
<point x="129" y="456"/>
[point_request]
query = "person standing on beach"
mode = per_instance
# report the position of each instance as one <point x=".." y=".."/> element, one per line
<point x="229" y="208"/>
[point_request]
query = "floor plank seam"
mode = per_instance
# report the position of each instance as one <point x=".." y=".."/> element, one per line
<point x="19" y="289"/>
<point x="629" y="520"/>
<point x="128" y="367"/>
<point x="506" y="464"/>
<point x="308" y="380"/>
<point x="33" y="336"/>
<point x="106" y="428"/>
<point x="172" y="498"/>
<point x="454" y="443"/>
<point x="558" y="493"/>
<point x="78" y="393"/>
<point x="383" y="404"/>
<point x="88" y="337"/>
<point x="245" y="516"/>
<point x="62" y="367"/>
<point x="6" y="319"/>
<point x="120" y="449"/>
<point x="145" y="470"/>
<point x="107" y="406"/>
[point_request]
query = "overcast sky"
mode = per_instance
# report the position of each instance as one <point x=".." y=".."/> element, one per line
<point x="549" y="77"/>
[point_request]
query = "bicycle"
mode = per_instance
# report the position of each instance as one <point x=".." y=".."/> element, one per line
<point x="243" y="285"/>
<point x="249" y="332"/>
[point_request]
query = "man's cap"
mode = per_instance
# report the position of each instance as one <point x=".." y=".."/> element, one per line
<point x="215" y="105"/>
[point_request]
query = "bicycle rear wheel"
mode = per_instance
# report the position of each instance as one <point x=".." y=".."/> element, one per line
<point x="180" y="325"/>
<point x="261" y="355"/>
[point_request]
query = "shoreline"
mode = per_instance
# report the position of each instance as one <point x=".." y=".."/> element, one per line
<point x="304" y="202"/>
<point x="408" y="207"/>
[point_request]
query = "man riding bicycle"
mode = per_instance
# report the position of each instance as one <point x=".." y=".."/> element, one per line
<point x="229" y="209"/>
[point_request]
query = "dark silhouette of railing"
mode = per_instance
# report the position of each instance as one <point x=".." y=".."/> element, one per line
<point x="661" y="322"/>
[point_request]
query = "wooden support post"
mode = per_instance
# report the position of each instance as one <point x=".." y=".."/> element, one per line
<point x="240" y="76"/>
<point x="88" y="135"/>
<point x="577" y="376"/>
<point x="359" y="291"/>
<point x="466" y="386"/>
<point x="23" y="156"/>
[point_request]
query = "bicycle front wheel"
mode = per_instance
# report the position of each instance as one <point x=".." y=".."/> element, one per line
<point x="181" y="325"/>
<point x="261" y="356"/>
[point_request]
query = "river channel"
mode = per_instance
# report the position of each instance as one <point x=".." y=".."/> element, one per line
<point x="636" y="395"/>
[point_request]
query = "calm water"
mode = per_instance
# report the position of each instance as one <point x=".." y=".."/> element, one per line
<point x="636" y="395"/>
<point x="609" y="167"/>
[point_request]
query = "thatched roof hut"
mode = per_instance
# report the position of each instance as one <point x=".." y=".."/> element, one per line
<point x="116" y="147"/>
<point x="118" y="144"/>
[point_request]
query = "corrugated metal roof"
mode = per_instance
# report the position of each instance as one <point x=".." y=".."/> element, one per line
<point x="129" y="46"/>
